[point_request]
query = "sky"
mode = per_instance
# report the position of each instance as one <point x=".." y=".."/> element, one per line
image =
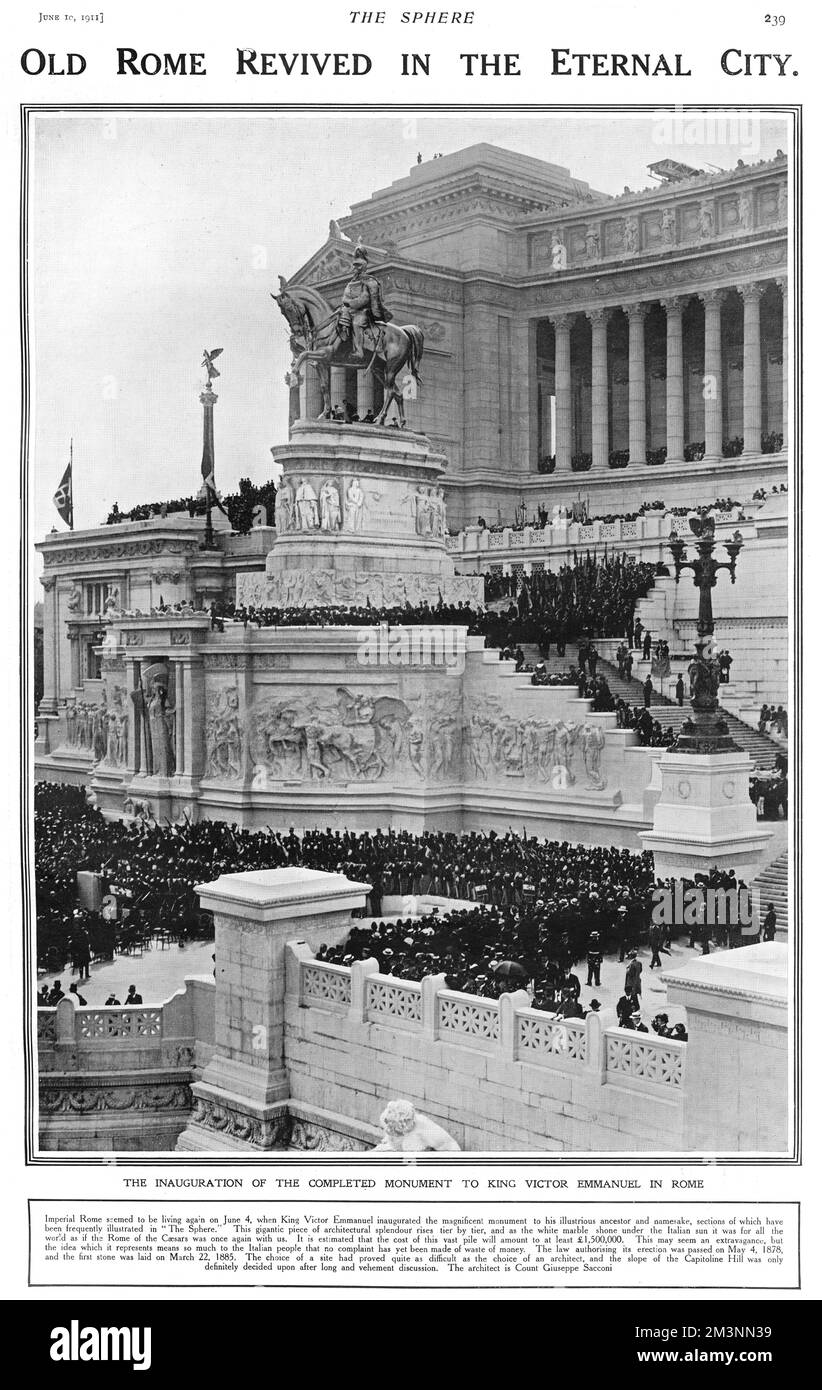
<point x="153" y="237"/>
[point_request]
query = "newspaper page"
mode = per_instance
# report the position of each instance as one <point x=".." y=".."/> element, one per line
<point x="403" y="839"/>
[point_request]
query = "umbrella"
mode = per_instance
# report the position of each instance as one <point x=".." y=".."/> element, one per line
<point x="510" y="970"/>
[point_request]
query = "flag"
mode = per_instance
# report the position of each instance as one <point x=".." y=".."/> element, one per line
<point x="64" y="498"/>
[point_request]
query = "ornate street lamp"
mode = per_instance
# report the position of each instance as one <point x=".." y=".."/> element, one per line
<point x="706" y="731"/>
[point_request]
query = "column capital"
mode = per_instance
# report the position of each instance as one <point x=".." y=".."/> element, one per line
<point x="674" y="304"/>
<point x="561" y="321"/>
<point x="781" y="282"/>
<point x="713" y="297"/>
<point x="599" y="316"/>
<point x="636" y="311"/>
<point x="48" y="582"/>
<point x="751" y="293"/>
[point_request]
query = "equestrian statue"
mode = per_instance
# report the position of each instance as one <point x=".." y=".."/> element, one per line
<point x="358" y="334"/>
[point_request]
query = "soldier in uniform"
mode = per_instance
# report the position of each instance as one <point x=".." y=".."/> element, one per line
<point x="362" y="307"/>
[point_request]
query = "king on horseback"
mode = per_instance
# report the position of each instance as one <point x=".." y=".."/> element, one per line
<point x="362" y="310"/>
<point x="359" y="334"/>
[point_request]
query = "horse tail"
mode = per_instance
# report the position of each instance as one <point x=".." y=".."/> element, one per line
<point x="416" y="338"/>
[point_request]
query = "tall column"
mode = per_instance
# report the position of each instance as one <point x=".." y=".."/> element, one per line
<point x="783" y="289"/>
<point x="599" y="388"/>
<point x="562" y="392"/>
<point x="337" y="386"/>
<point x="712" y="374"/>
<point x="636" y="382"/>
<point x="311" y="398"/>
<point x="752" y="372"/>
<point x="674" y="400"/>
<point x="179" y="719"/>
<point x="365" y="392"/>
<point x="135" y="731"/>
<point x="51" y="638"/>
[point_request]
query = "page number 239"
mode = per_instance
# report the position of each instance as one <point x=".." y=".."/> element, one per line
<point x="777" y="20"/>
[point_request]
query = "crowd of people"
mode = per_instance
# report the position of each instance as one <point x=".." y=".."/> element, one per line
<point x="773" y="720"/>
<point x="239" y="506"/>
<point x="526" y="910"/>
<point x="649" y="731"/>
<point x="334" y="615"/>
<point x="593" y="595"/>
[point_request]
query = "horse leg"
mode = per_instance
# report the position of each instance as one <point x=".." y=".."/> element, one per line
<point x="389" y="393"/>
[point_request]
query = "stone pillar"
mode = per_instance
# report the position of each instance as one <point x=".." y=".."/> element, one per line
<point x="636" y="383"/>
<point x="241" y="1102"/>
<point x="562" y="392"/>
<point x="783" y="290"/>
<point x="74" y="646"/>
<point x="674" y="401"/>
<point x="599" y="388"/>
<point x="365" y="393"/>
<point x="311" y="399"/>
<point x="135" y="731"/>
<point x="337" y="386"/>
<point x="712" y="374"/>
<point x="180" y="698"/>
<point x="738" y="1048"/>
<point x="51" y="639"/>
<point x="705" y="816"/>
<point x="752" y="372"/>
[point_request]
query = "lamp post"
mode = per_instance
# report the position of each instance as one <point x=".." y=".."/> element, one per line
<point x="706" y="731"/>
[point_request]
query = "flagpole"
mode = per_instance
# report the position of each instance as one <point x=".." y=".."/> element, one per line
<point x="71" y="475"/>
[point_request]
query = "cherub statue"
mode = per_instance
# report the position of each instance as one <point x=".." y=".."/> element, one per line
<point x="406" y="1131"/>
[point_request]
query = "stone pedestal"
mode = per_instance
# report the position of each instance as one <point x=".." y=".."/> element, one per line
<point x="737" y="1067"/>
<point x="704" y="816"/>
<point x="240" y="1104"/>
<point x="360" y="519"/>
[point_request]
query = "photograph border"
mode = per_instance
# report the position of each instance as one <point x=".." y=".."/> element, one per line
<point x="793" y="113"/>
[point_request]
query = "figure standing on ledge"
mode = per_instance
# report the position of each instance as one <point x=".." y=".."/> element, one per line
<point x="406" y="1131"/>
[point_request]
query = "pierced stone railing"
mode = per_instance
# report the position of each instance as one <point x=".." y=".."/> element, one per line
<point x="132" y="1022"/>
<point x="396" y="1001"/>
<point x="467" y="1016"/>
<point x="46" y="1025"/>
<point x="543" y="1039"/>
<point x="162" y="1034"/>
<point x="506" y="1027"/>
<point x="328" y="984"/>
<point x="640" y="1060"/>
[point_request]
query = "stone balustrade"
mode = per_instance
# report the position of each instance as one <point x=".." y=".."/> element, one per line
<point x="506" y="1028"/>
<point x="564" y="535"/>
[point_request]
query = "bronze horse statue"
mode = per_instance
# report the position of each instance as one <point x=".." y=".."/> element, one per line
<point x="316" y="338"/>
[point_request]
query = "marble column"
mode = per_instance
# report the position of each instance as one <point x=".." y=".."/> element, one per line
<point x="674" y="398"/>
<point x="599" y="388"/>
<point x="51" y="637"/>
<point x="338" y="384"/>
<point x="179" y="717"/>
<point x="712" y="374"/>
<point x="752" y="372"/>
<point x="311" y="399"/>
<point x="135" y="731"/>
<point x="636" y="382"/>
<point x="782" y="285"/>
<point x="564" y="421"/>
<point x="365" y="392"/>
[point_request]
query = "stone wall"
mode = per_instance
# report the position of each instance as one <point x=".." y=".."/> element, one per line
<point x="497" y="1075"/>
<point x="119" y="1078"/>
